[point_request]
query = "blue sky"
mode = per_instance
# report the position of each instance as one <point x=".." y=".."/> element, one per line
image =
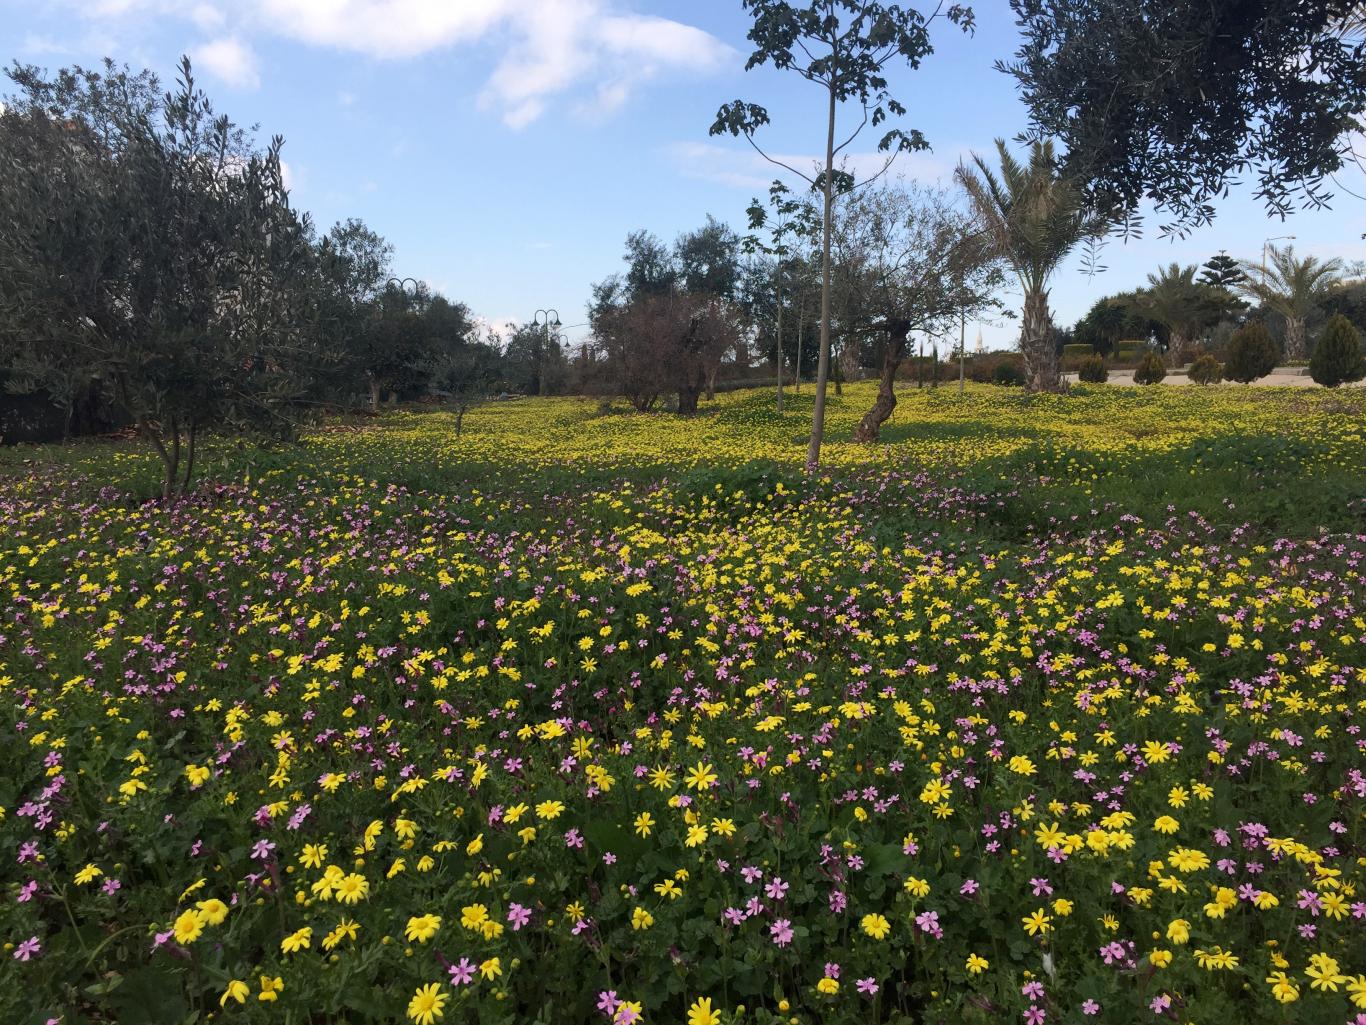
<point x="506" y="147"/>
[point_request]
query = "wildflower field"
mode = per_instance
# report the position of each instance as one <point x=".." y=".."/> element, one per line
<point x="1048" y="710"/>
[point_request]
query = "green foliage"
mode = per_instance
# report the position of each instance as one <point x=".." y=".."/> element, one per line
<point x="1205" y="370"/>
<point x="1203" y="92"/>
<point x="1092" y="370"/>
<point x="1251" y="353"/>
<point x="1150" y="369"/>
<point x="1008" y="373"/>
<point x="1337" y="358"/>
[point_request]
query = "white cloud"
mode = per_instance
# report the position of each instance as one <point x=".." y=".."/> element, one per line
<point x="230" y="60"/>
<point x="590" y="48"/>
<point x="744" y="168"/>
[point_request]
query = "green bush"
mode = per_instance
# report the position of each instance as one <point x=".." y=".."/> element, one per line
<point x="1150" y="369"/>
<point x="1092" y="370"/>
<point x="1337" y="358"/>
<point x="1205" y="370"/>
<point x="1008" y="374"/>
<point x="1251" y="353"/>
<point x="1130" y="351"/>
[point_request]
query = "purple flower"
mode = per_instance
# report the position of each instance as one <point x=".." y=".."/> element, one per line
<point x="518" y="916"/>
<point x="1032" y="990"/>
<point x="1034" y="1015"/>
<point x="262" y="849"/>
<point x="29" y="948"/>
<point x="867" y="986"/>
<point x="776" y="889"/>
<point x="1090" y="1008"/>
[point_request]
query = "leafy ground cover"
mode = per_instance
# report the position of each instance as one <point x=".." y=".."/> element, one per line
<point x="1047" y="710"/>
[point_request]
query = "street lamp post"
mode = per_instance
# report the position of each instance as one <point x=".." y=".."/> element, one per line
<point x="550" y="325"/>
<point x="401" y="285"/>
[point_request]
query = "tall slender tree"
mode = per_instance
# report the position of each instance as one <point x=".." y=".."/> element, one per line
<point x="1035" y="216"/>
<point x="844" y="47"/>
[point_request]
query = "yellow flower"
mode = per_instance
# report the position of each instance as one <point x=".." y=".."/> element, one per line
<point x="427" y="1004"/>
<point x="1323" y="973"/>
<point x="422" y="928"/>
<point x="641" y="919"/>
<point x="1179" y="930"/>
<point x="188" y="926"/>
<point x="1356" y="989"/>
<point x="313" y="855"/>
<point x="644" y="823"/>
<point x="473" y="917"/>
<point x="213" y="911"/>
<point x="270" y="989"/>
<point x="353" y="888"/>
<point x="668" y="888"/>
<point x="700" y="776"/>
<point x="1160" y="958"/>
<point x="88" y="874"/>
<point x="300" y="939"/>
<point x="977" y="965"/>
<point x="1062" y="907"/>
<point x="491" y="969"/>
<point x="700" y="1013"/>
<point x="1282" y="988"/>
<point x="236" y="990"/>
<point x="1036" y="922"/>
<point x="549" y="810"/>
<point x="1166" y="824"/>
<point x="828" y="986"/>
<point x="916" y="887"/>
<point x="875" y="926"/>
<point x="475" y="846"/>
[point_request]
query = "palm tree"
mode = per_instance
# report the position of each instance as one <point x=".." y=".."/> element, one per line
<point x="1182" y="305"/>
<point x="1292" y="287"/>
<point x="1034" y="217"/>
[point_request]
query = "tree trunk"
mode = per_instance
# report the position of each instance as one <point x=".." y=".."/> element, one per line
<point x="374" y="395"/>
<point x="871" y="424"/>
<point x="1296" y="345"/>
<point x="687" y="401"/>
<point x="189" y="460"/>
<point x="711" y="382"/>
<point x="813" y="450"/>
<point x="1036" y="343"/>
<point x="778" y="341"/>
<point x="839" y="374"/>
<point x="1178" y="350"/>
<point x="797" y="377"/>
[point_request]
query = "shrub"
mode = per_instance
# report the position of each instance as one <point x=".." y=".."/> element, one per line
<point x="1130" y="351"/>
<point x="1251" y="353"/>
<point x="1205" y="370"/>
<point x="1150" y="369"/>
<point x="1008" y="374"/>
<point x="1092" y="370"/>
<point x="1075" y="353"/>
<point x="1337" y="358"/>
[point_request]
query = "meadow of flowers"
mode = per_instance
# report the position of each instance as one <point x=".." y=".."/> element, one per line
<point x="1047" y="710"/>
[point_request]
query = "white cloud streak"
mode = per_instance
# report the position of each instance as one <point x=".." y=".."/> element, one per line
<point x="592" y="50"/>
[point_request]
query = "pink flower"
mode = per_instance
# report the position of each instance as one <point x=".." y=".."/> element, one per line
<point x="1034" y="1015"/>
<point x="781" y="931"/>
<point x="462" y="974"/>
<point x="867" y="986"/>
<point x="29" y="948"/>
<point x="518" y="916"/>
<point x="1090" y="1008"/>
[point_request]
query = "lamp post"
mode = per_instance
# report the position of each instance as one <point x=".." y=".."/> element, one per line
<point x="550" y="325"/>
<point x="1278" y="238"/>
<point x="401" y="285"/>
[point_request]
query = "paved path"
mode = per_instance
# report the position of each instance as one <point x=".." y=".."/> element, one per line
<point x="1281" y="377"/>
